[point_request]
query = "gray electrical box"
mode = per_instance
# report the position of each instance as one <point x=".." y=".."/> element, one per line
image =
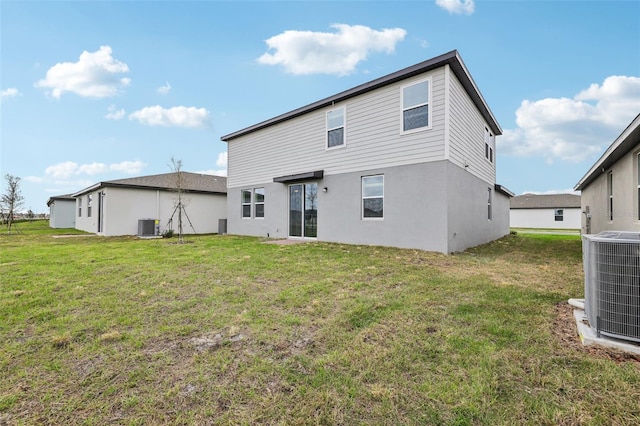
<point x="222" y="226"/>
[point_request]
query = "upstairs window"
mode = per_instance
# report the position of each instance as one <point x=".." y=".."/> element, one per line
<point x="246" y="203"/>
<point x="373" y="197"/>
<point x="610" y="195"/>
<point x="415" y="106"/>
<point x="558" y="215"/>
<point x="258" y="202"/>
<point x="335" y="127"/>
<point x="489" y="143"/>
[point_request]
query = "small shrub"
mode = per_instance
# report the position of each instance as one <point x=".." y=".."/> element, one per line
<point x="168" y="233"/>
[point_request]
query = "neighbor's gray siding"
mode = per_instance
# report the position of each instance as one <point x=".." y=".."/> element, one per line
<point x="373" y="139"/>
<point x="448" y="214"/>
<point x="62" y="214"/>
<point x="625" y="197"/>
<point x="466" y="134"/>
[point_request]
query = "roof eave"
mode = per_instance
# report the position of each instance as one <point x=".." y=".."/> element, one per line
<point x="620" y="147"/>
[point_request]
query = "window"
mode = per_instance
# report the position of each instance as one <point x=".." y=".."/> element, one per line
<point x="415" y="106"/>
<point x="258" y="202"/>
<point x="335" y="128"/>
<point x="489" y="209"/>
<point x="246" y="203"/>
<point x="489" y="142"/>
<point x="373" y="197"/>
<point x="638" y="173"/>
<point x="610" y="195"/>
<point x="559" y="215"/>
<point x="79" y="206"/>
<point x="89" y="202"/>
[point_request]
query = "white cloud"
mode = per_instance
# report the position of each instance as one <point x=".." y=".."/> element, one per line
<point x="69" y="169"/>
<point x="213" y="172"/>
<point x="128" y="167"/>
<point x="95" y="75"/>
<point x="11" y="92"/>
<point x="574" y="129"/>
<point x="307" y="52"/>
<point x="180" y="116"/>
<point x="459" y="7"/>
<point x="220" y="162"/>
<point x="33" y="179"/>
<point x="114" y="114"/>
<point x="222" y="159"/>
<point x="553" y="192"/>
<point x="163" y="90"/>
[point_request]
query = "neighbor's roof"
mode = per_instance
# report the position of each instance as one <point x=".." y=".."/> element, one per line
<point x="66" y="197"/>
<point x="452" y="58"/>
<point x="628" y="140"/>
<point x="547" y="201"/>
<point x="191" y="182"/>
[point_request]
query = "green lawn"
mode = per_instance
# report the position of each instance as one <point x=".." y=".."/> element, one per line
<point x="229" y="330"/>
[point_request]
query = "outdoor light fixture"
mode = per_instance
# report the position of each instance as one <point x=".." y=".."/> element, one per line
<point x="324" y="189"/>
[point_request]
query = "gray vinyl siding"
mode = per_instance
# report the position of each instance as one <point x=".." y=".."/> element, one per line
<point x="466" y="134"/>
<point x="372" y="134"/>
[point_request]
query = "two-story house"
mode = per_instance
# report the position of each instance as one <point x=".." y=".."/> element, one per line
<point x="611" y="187"/>
<point x="406" y="160"/>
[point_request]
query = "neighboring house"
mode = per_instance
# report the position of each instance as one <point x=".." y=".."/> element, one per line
<point x="611" y="187"/>
<point x="115" y="207"/>
<point x="62" y="211"/>
<point x="552" y="211"/>
<point x="406" y="160"/>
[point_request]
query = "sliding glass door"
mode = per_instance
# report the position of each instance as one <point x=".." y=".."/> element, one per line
<point x="303" y="210"/>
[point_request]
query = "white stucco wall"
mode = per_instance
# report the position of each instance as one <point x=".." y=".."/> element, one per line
<point x="62" y="214"/>
<point x="545" y="218"/>
<point x="123" y="207"/>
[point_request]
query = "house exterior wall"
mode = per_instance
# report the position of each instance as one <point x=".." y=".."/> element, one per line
<point x="545" y="218"/>
<point x="625" y="198"/>
<point x="373" y="139"/>
<point x="466" y="134"/>
<point x="123" y="207"/>
<point x="468" y="210"/>
<point x="436" y="180"/>
<point x="448" y="213"/>
<point x="62" y="214"/>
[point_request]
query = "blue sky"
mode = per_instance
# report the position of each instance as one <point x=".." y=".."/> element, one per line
<point x="94" y="91"/>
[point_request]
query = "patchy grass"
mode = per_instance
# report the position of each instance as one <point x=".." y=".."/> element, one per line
<point x="227" y="330"/>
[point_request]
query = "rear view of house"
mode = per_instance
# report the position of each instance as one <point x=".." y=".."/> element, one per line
<point x="407" y="160"/>
<point x="116" y="207"/>
<point x="611" y="187"/>
<point x="547" y="211"/>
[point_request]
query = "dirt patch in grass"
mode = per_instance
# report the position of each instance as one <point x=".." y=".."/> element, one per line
<point x="566" y="332"/>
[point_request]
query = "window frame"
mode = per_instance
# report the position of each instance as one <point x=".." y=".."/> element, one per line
<point x="489" y="205"/>
<point x="363" y="197"/>
<point x="329" y="129"/>
<point x="257" y="203"/>
<point x="244" y="204"/>
<point x="489" y="145"/>
<point x="79" y="206"/>
<point x="610" y="196"/>
<point x="89" y="204"/>
<point x="428" y="104"/>
<point x="638" y="183"/>
<point x="558" y="215"/>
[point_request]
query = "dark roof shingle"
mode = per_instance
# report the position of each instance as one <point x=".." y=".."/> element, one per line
<point x="545" y="201"/>
<point x="191" y="182"/>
